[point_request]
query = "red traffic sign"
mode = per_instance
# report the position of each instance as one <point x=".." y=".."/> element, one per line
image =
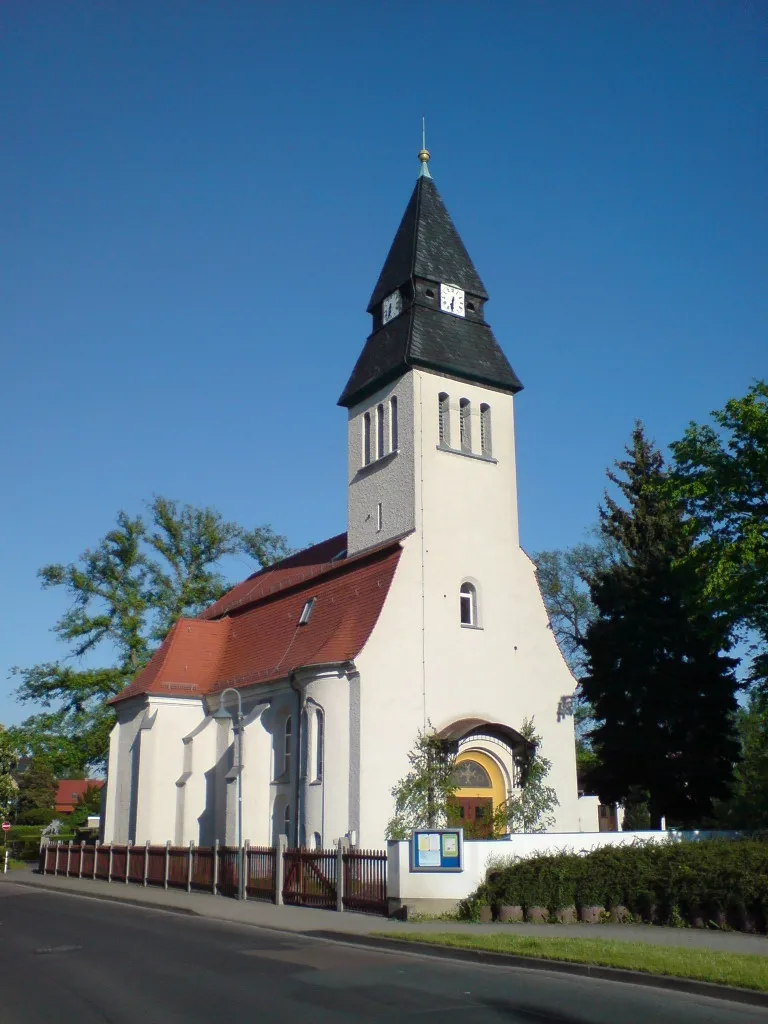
<point x="6" y="826"/>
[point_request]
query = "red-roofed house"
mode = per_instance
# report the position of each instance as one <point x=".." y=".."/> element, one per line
<point x="425" y="611"/>
<point x="69" y="791"/>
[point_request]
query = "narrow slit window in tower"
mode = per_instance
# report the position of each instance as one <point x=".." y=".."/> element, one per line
<point x="465" y="424"/>
<point x="486" y="446"/>
<point x="444" y="419"/>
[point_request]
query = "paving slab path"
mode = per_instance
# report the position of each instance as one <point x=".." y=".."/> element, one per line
<point x="307" y="921"/>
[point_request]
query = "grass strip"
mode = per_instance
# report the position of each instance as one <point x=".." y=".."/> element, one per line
<point x="741" y="970"/>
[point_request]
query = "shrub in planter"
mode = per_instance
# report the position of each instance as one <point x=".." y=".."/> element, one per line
<point x="511" y="912"/>
<point x="566" y="915"/>
<point x="508" y="894"/>
<point x="591" y="915"/>
<point x="537" y="915"/>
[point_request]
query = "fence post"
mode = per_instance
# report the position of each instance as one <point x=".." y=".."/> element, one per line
<point x="282" y="846"/>
<point x="82" y="854"/>
<point x="128" y="846"/>
<point x="95" y="855"/>
<point x="215" y="866"/>
<point x="56" y="864"/>
<point x="109" y="869"/>
<point x="69" y="858"/>
<point x="342" y="847"/>
<point x="167" y="862"/>
<point x="189" y="865"/>
<point x="246" y="867"/>
<point x="146" y="862"/>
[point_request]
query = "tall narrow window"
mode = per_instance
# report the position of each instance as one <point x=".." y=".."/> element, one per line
<point x="367" y="439"/>
<point x="393" y="438"/>
<point x="465" y="424"/>
<point x="287" y="823"/>
<point x="317" y="841"/>
<point x="304" y="745"/>
<point x="287" y="745"/>
<point x="319" y="744"/>
<point x="444" y="419"/>
<point x="379" y="431"/>
<point x="379" y="517"/>
<point x="468" y="604"/>
<point x="486" y="447"/>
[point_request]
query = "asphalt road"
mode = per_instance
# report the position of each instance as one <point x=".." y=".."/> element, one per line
<point x="74" y="959"/>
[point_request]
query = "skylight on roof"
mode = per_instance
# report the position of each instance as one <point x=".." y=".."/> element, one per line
<point x="306" y="611"/>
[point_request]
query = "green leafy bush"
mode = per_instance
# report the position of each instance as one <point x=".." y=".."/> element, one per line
<point x="712" y="881"/>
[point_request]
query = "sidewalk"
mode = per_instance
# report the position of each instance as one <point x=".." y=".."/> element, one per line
<point x="307" y="921"/>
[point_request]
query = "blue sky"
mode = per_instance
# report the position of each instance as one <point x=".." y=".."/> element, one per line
<point x="196" y="199"/>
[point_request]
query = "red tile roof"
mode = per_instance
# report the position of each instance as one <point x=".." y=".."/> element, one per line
<point x="68" y="790"/>
<point x="252" y="634"/>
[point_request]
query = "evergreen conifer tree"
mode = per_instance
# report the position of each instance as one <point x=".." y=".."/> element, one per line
<point x="662" y="690"/>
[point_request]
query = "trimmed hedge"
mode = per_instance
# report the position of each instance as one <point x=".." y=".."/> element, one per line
<point x="712" y="882"/>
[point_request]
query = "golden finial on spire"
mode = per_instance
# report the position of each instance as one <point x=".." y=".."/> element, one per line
<point x="424" y="154"/>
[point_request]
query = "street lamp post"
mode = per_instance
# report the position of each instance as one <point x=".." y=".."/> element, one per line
<point x="220" y="714"/>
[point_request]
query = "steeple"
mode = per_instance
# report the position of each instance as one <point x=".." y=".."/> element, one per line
<point x="411" y="325"/>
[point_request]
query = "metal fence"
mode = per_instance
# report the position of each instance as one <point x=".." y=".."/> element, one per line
<point x="340" y="879"/>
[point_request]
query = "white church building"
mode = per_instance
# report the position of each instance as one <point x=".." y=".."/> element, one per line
<point x="426" y="610"/>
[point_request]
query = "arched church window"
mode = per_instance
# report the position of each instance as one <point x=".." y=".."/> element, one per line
<point x="317" y="841"/>
<point x="393" y="438"/>
<point x="486" y="447"/>
<point x="319" y="744"/>
<point x="287" y="745"/>
<point x="367" y="439"/>
<point x="470" y="775"/>
<point x="287" y="823"/>
<point x="465" y="424"/>
<point x="468" y="604"/>
<point x="444" y="419"/>
<point x="379" y="431"/>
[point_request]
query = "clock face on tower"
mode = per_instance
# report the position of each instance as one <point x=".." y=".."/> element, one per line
<point x="391" y="307"/>
<point x="452" y="299"/>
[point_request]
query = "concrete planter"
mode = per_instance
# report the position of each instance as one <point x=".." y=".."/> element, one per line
<point x="620" y="915"/>
<point x="486" y="915"/>
<point x="508" y="914"/>
<point x="536" y="915"/>
<point x="566" y="916"/>
<point x="591" y="915"/>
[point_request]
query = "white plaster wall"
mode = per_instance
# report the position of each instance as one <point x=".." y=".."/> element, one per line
<point x="325" y="803"/>
<point x="162" y="764"/>
<point x="589" y="815"/>
<point x="389" y="480"/>
<point x="420" y="664"/>
<point x="120" y="771"/>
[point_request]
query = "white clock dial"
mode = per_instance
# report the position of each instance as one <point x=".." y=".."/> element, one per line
<point x="391" y="307"/>
<point x="452" y="299"/>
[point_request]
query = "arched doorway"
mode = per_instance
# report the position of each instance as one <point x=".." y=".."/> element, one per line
<point x="480" y="791"/>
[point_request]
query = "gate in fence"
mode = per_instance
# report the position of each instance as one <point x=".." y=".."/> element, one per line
<point x="342" y="879"/>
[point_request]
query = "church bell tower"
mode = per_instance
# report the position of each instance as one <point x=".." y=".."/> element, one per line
<point x="430" y="397"/>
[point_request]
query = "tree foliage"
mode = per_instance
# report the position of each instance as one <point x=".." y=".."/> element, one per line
<point x="37" y="787"/>
<point x="423" y="795"/>
<point x="124" y="595"/>
<point x="531" y="810"/>
<point x="8" y="764"/>
<point x="663" y="694"/>
<point x="88" y="803"/>
<point x="721" y="472"/>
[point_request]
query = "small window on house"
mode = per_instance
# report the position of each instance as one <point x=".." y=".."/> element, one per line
<point x="379" y="517"/>
<point x="379" y="431"/>
<point x="444" y="419"/>
<point x="393" y="438"/>
<point x="287" y="823"/>
<point x="287" y="745"/>
<point x="465" y="424"/>
<point x="485" y="429"/>
<point x="468" y="604"/>
<point x="319" y="744"/>
<point x="306" y="611"/>
<point x="367" y="439"/>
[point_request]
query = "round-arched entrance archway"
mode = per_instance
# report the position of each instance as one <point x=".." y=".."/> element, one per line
<point x="480" y="791"/>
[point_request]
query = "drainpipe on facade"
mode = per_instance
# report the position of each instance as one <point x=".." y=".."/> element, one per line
<point x="297" y="759"/>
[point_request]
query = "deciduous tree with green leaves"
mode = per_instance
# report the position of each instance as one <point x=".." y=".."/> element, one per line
<point x="423" y="795"/>
<point x="125" y="594"/>
<point x="8" y="764"/>
<point x="721" y="473"/>
<point x="663" y="693"/>
<point x="531" y="810"/>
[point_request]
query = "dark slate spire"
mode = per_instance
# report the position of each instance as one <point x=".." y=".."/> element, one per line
<point x="426" y="252"/>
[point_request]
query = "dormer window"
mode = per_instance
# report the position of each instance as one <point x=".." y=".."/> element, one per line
<point x="306" y="611"/>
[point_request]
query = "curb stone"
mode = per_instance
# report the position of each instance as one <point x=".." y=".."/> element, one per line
<point x="689" y="985"/>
